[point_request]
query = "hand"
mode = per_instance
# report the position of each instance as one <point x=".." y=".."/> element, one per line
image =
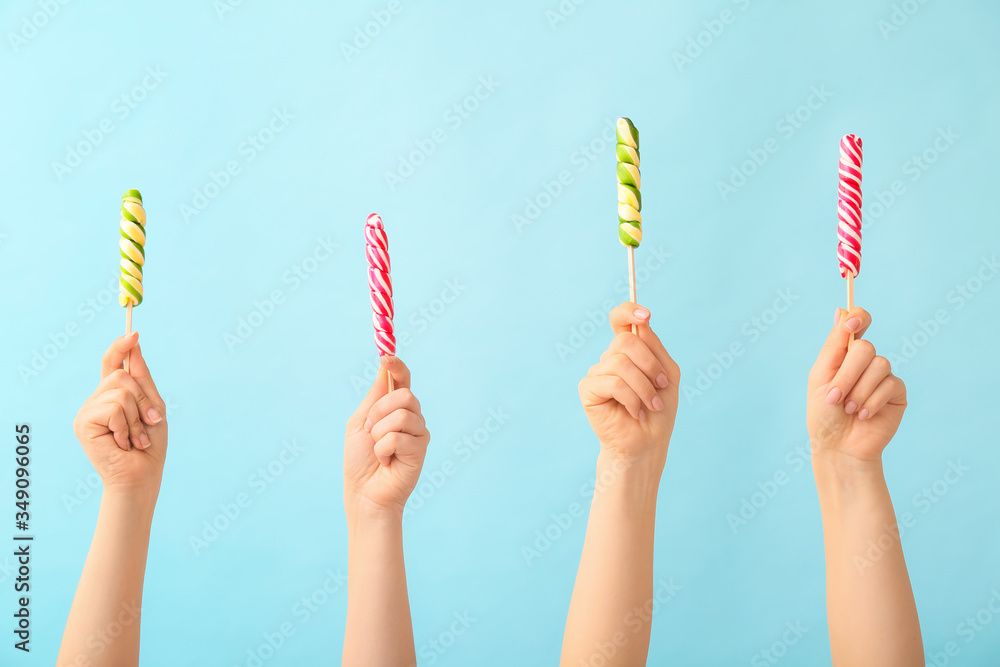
<point x="630" y="397"/>
<point x="385" y="444"/>
<point x="122" y="425"/>
<point x="855" y="402"/>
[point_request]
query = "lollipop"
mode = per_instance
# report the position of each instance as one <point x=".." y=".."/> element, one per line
<point x="380" y="284"/>
<point x="133" y="255"/>
<point x="629" y="199"/>
<point x="849" y="213"/>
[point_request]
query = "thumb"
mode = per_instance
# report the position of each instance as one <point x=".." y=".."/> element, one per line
<point x="853" y="322"/>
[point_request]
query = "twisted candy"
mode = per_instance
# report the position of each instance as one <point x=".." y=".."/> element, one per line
<point x="629" y="200"/>
<point x="849" y="206"/>
<point x="133" y="229"/>
<point x="377" y="250"/>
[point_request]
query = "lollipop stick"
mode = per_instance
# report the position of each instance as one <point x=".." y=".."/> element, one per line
<point x="850" y="301"/>
<point x="389" y="382"/>
<point x="128" y="330"/>
<point x="631" y="281"/>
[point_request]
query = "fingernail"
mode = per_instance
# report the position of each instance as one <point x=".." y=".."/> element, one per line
<point x="850" y="407"/>
<point x="853" y="324"/>
<point x="836" y="317"/>
<point x="641" y="313"/>
<point x="661" y="381"/>
<point x="154" y="416"/>
<point x="143" y="440"/>
<point x="863" y="415"/>
<point x="656" y="403"/>
<point x="368" y="424"/>
<point x="642" y="415"/>
<point x="834" y="395"/>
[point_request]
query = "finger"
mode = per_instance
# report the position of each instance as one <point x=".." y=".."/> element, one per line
<point x="877" y="370"/>
<point x="598" y="389"/>
<point x="399" y="421"/>
<point x="834" y="350"/>
<point x="406" y="448"/>
<point x="858" y="357"/>
<point x="622" y="366"/>
<point x="639" y="353"/>
<point x="151" y="412"/>
<point x="623" y="316"/>
<point x="401" y="399"/>
<point x="111" y="417"/>
<point x="890" y="390"/>
<point x="670" y="367"/>
<point x="116" y="353"/>
<point x="400" y="373"/>
<point x="139" y="371"/>
<point x="125" y="399"/>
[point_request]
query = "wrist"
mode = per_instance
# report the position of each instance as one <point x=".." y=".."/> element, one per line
<point x="844" y="476"/>
<point x="636" y="477"/>
<point x="132" y="506"/>
<point x="361" y="511"/>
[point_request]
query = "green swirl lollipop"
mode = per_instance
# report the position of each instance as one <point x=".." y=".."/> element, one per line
<point x="629" y="199"/>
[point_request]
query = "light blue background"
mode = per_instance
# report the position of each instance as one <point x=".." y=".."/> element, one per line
<point x="523" y="294"/>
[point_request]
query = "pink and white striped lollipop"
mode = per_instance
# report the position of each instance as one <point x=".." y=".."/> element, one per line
<point x="377" y="250"/>
<point x="849" y="206"/>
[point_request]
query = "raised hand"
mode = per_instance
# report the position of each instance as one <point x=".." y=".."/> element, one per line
<point x="855" y="403"/>
<point x="122" y="426"/>
<point x="630" y="396"/>
<point x="385" y="443"/>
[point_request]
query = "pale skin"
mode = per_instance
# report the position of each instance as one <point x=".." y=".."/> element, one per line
<point x="630" y="398"/>
<point x="854" y="408"/>
<point x="123" y="431"/>
<point x="384" y="450"/>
